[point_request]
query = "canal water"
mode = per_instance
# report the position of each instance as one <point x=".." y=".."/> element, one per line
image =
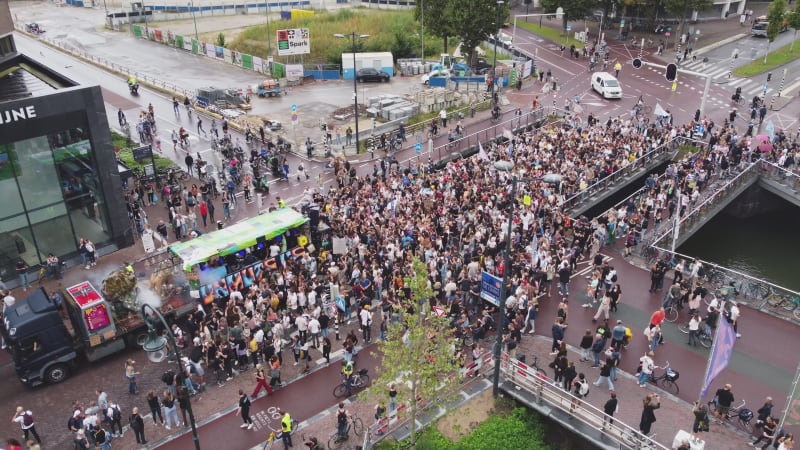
<point x="764" y="246"/>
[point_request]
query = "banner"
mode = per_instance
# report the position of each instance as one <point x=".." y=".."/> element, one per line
<point x="720" y="354"/>
<point x="295" y="41"/>
<point x="247" y="61"/>
<point x="490" y="288"/>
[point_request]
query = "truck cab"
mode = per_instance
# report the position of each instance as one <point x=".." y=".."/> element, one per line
<point x="39" y="342"/>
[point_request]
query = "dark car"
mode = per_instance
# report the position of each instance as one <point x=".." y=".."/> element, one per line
<point x="369" y="74"/>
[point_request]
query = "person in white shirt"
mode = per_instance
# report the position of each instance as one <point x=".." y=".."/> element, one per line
<point x="735" y="313"/>
<point x="302" y="328"/>
<point x="314" y="328"/>
<point x="366" y="323"/>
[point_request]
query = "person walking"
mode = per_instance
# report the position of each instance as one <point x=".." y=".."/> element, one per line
<point x="558" y="334"/>
<point x="261" y="381"/>
<point x="443" y="116"/>
<point x="244" y="410"/>
<point x="610" y="408"/>
<point x="26" y="422"/>
<point x="646" y="367"/>
<point x="617" y="68"/>
<point x="136" y="422"/>
<point x="650" y="403"/>
<point x="326" y="349"/>
<point x="694" y="329"/>
<point x="605" y="374"/>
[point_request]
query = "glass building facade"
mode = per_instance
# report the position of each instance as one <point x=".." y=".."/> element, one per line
<point x="59" y="180"/>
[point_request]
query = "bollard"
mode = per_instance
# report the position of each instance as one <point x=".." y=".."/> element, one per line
<point x="336" y="329"/>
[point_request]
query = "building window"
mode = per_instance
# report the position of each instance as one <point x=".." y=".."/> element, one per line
<point x="50" y="190"/>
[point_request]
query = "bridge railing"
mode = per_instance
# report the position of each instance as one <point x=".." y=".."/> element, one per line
<point x="604" y="183"/>
<point x="696" y="214"/>
<point x="544" y="391"/>
<point x="774" y="172"/>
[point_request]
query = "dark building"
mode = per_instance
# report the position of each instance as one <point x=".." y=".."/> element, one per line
<point x="59" y="180"/>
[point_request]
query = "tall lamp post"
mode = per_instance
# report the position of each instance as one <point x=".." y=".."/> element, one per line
<point x="353" y="35"/>
<point x="494" y="62"/>
<point x="501" y="310"/>
<point x="156" y="342"/>
<point x="269" y="41"/>
<point x="194" y="19"/>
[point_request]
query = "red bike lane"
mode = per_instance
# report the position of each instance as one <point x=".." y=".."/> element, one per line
<point x="302" y="398"/>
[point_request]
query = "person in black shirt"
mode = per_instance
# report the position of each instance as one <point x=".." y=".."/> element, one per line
<point x="724" y="398"/>
<point x="610" y="407"/>
<point x="244" y="409"/>
<point x="767" y="433"/>
<point x="137" y="425"/>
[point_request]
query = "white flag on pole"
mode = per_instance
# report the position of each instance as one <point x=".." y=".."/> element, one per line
<point x="482" y="153"/>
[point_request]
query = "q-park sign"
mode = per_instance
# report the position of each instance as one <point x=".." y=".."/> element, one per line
<point x="295" y="41"/>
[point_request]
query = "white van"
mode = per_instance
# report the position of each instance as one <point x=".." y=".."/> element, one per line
<point x="606" y="85"/>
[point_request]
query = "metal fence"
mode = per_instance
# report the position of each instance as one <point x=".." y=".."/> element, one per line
<point x="545" y="391"/>
<point x="583" y="196"/>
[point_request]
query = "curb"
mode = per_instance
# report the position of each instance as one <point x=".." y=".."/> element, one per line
<point x="718" y="44"/>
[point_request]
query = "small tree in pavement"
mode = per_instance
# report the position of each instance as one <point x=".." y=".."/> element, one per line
<point x="794" y="22"/>
<point x="418" y="353"/>
<point x="775" y="18"/>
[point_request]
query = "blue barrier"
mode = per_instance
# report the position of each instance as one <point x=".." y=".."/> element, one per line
<point x="322" y="74"/>
<point x="438" y="82"/>
<point x="285" y="15"/>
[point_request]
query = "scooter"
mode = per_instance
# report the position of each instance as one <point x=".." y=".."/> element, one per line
<point x="134" y="88"/>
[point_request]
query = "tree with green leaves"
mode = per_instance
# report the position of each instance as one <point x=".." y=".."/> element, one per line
<point x="775" y="13"/>
<point x="793" y="18"/>
<point x="474" y="21"/>
<point x="418" y="355"/>
<point x="682" y="8"/>
<point x="573" y="10"/>
<point x="431" y="13"/>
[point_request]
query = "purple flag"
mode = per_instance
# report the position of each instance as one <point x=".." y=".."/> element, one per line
<point x="720" y="353"/>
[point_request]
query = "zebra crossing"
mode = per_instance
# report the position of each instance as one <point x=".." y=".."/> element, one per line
<point x="719" y="71"/>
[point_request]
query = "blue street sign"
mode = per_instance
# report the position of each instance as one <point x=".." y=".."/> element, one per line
<point x="490" y="288"/>
<point x="569" y="27"/>
<point x="418" y="148"/>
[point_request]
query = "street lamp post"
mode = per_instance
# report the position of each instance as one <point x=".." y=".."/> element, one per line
<point x="496" y="38"/>
<point x="155" y="343"/>
<point x="353" y="36"/>
<point x="501" y="309"/>
<point x="194" y="19"/>
<point x="269" y="41"/>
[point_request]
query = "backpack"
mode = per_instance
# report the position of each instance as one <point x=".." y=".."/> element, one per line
<point x="583" y="389"/>
<point x="27" y="419"/>
<point x="341" y="417"/>
<point x="168" y="377"/>
<point x="116" y="414"/>
<point x="614" y="278"/>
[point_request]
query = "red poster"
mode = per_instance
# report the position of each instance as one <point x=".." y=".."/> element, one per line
<point x="84" y="294"/>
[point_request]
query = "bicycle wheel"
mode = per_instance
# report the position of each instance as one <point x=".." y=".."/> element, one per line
<point x="791" y="303"/>
<point x="670" y="386"/>
<point x="364" y="381"/>
<point x="745" y="426"/>
<point x="340" y="390"/>
<point x="671" y="314"/>
<point x="647" y="109"/>
<point x="358" y="426"/>
<point x="796" y="313"/>
<point x="705" y="340"/>
<point x="335" y="442"/>
<point x="684" y="327"/>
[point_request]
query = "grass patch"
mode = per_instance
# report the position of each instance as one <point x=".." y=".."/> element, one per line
<point x="685" y="150"/>
<point x="775" y="59"/>
<point x="552" y="34"/>
<point x="383" y="27"/>
<point x="125" y="153"/>
<point x="518" y="430"/>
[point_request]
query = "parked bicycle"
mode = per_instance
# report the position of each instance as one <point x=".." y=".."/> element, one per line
<point x="668" y="380"/>
<point x="338" y="440"/>
<point x="737" y="415"/>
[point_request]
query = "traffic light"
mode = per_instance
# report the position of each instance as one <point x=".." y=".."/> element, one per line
<point x="769" y="77"/>
<point x="637" y="63"/>
<point x="672" y="72"/>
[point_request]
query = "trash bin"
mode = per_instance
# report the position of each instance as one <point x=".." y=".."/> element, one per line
<point x="220" y="225"/>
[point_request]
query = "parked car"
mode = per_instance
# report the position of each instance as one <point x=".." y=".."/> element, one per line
<point x="370" y="74"/>
<point x="436" y="73"/>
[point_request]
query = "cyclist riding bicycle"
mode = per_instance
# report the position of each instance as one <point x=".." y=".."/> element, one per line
<point x="496" y="112"/>
<point x="737" y="95"/>
<point x="347" y="371"/>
